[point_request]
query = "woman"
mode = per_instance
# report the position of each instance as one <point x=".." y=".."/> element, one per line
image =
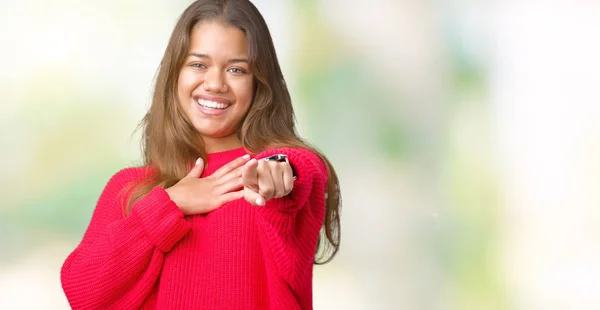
<point x="227" y="210"/>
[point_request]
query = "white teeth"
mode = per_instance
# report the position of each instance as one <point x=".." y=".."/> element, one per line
<point x="212" y="104"/>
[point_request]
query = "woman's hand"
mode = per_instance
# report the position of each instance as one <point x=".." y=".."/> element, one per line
<point x="264" y="180"/>
<point x="195" y="195"/>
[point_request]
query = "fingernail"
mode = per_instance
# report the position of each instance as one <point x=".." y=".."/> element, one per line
<point x="198" y="161"/>
<point x="259" y="202"/>
<point x="246" y="156"/>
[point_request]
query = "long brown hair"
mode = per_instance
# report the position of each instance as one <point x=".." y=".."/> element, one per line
<point x="170" y="142"/>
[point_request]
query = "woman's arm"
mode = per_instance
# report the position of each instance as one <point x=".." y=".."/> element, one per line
<point x="291" y="224"/>
<point x="119" y="259"/>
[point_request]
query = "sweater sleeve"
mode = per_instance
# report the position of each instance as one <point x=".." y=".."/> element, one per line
<point x="117" y="263"/>
<point x="291" y="224"/>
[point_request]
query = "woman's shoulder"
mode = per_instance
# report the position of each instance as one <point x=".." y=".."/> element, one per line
<point x="130" y="174"/>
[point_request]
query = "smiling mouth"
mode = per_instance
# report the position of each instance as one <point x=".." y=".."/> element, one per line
<point x="212" y="105"/>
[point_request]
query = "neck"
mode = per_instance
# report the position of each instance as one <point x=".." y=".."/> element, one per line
<point x="222" y="144"/>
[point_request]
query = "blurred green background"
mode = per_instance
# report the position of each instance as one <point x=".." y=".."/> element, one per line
<point x="466" y="135"/>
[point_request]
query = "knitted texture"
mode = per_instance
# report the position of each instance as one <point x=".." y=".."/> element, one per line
<point x="236" y="257"/>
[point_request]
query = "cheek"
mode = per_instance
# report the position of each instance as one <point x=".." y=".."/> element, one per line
<point x="186" y="83"/>
<point x="244" y="93"/>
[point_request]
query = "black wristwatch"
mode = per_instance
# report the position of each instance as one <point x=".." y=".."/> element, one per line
<point x="282" y="158"/>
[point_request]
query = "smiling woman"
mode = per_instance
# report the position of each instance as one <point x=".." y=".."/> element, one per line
<point x="230" y="205"/>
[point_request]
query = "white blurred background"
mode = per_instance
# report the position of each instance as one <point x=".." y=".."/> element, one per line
<point x="466" y="135"/>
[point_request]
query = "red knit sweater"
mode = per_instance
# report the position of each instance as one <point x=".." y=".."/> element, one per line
<point x="237" y="257"/>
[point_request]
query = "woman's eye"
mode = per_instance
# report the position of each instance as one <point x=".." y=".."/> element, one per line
<point x="198" y="65"/>
<point x="236" y="70"/>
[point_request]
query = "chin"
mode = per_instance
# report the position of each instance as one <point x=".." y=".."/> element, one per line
<point x="214" y="134"/>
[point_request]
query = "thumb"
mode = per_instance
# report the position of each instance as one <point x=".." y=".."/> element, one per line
<point x="196" y="172"/>
<point x="253" y="197"/>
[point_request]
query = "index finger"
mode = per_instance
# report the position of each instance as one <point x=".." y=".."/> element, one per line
<point x="250" y="175"/>
<point x="230" y="166"/>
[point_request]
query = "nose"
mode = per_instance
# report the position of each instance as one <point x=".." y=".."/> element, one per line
<point x="214" y="81"/>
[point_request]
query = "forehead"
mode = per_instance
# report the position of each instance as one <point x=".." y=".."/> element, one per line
<point x="216" y="39"/>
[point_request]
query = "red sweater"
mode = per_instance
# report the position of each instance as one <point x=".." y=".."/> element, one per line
<point x="236" y="257"/>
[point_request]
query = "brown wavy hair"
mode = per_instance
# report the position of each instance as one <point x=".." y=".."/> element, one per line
<point x="169" y="140"/>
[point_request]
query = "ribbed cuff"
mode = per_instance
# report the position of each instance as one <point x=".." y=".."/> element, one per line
<point x="161" y="218"/>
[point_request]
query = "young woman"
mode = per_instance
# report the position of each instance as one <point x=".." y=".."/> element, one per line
<point x="230" y="206"/>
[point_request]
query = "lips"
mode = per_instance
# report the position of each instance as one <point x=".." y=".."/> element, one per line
<point x="211" y="98"/>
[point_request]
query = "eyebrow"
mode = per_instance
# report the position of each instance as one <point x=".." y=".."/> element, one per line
<point x="232" y="60"/>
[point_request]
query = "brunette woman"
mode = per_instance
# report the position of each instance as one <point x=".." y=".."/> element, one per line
<point x="231" y="206"/>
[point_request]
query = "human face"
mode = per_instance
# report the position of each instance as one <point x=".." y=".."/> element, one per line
<point x="215" y="85"/>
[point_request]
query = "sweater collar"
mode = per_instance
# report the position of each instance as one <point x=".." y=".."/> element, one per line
<point x="216" y="160"/>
